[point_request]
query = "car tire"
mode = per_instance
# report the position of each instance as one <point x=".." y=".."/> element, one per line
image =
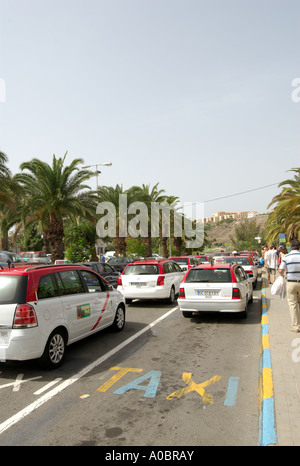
<point x="251" y="298"/>
<point x="119" y="321"/>
<point x="54" y="351"/>
<point x="171" y="298"/>
<point x="186" y="314"/>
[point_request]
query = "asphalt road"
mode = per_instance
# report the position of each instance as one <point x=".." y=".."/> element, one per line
<point x="164" y="381"/>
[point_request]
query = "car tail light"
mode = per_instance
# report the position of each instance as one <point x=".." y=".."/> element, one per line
<point x="161" y="280"/>
<point x="236" y="293"/>
<point x="249" y="272"/>
<point x="120" y="281"/>
<point x="181" y="293"/>
<point x="24" y="316"/>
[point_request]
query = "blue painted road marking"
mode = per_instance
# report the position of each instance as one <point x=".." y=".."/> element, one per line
<point x="232" y="391"/>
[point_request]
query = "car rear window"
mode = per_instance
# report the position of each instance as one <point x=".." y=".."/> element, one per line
<point x="237" y="260"/>
<point x="216" y="275"/>
<point x="142" y="269"/>
<point x="13" y="289"/>
<point x="118" y="260"/>
<point x="180" y="260"/>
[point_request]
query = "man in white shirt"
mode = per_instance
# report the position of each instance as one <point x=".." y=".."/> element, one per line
<point x="271" y="262"/>
<point x="291" y="264"/>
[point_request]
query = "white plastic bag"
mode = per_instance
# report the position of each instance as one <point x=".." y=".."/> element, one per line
<point x="279" y="287"/>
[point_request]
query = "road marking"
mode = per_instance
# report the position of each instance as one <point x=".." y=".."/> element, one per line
<point x="199" y="388"/>
<point x="67" y="383"/>
<point x="46" y="387"/>
<point x="232" y="391"/>
<point x="150" y="389"/>
<point x="16" y="384"/>
<point x="116" y="377"/>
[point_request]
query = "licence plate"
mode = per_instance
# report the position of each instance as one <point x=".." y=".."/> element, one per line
<point x="207" y="293"/>
<point x="138" y="284"/>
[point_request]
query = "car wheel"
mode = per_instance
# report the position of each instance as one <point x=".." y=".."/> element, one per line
<point x="171" y="298"/>
<point x="186" y="314"/>
<point x="54" y="352"/>
<point x="251" y="297"/>
<point x="119" y="321"/>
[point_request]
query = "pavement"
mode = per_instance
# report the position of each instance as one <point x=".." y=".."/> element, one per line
<point x="280" y="372"/>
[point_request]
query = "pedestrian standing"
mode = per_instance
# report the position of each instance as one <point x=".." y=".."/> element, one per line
<point x="271" y="262"/>
<point x="291" y="265"/>
<point x="283" y="252"/>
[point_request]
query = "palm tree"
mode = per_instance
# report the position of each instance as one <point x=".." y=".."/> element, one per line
<point x="147" y="195"/>
<point x="108" y="194"/>
<point x="9" y="194"/>
<point x="53" y="194"/>
<point x="285" y="217"/>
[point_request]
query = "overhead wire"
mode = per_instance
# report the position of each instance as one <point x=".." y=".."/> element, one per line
<point x="232" y="195"/>
<point x="242" y="192"/>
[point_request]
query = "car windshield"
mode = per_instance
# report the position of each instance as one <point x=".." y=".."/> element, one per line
<point x="12" y="289"/>
<point x="209" y="276"/>
<point x="180" y="260"/>
<point x="142" y="269"/>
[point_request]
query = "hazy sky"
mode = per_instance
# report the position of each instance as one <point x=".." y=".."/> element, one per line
<point x="193" y="94"/>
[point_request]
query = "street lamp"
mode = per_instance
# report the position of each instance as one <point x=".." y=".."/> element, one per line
<point x="104" y="164"/>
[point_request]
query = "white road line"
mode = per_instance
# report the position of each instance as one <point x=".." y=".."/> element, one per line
<point x="67" y="383"/>
<point x="46" y="387"/>
<point x="12" y="384"/>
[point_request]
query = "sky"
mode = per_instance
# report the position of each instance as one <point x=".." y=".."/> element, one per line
<point x="196" y="95"/>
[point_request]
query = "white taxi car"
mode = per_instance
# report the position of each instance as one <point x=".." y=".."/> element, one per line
<point x="217" y="288"/>
<point x="45" y="308"/>
<point x="151" y="279"/>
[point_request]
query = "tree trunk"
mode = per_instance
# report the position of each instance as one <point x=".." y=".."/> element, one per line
<point x="164" y="243"/>
<point x="55" y="235"/>
<point x="4" y="242"/>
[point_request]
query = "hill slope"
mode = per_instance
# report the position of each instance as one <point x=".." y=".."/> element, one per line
<point x="222" y="232"/>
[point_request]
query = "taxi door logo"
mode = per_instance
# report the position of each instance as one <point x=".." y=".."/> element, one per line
<point x="83" y="311"/>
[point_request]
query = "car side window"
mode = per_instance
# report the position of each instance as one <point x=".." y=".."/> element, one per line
<point x="243" y="274"/>
<point x="107" y="268"/>
<point x="69" y="282"/>
<point x="93" y="282"/>
<point x="175" y="267"/>
<point x="239" y="274"/>
<point x="47" y="287"/>
<point x="172" y="266"/>
<point x="100" y="268"/>
<point x="166" y="267"/>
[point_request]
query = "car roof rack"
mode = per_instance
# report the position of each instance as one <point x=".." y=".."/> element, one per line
<point x="34" y="267"/>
